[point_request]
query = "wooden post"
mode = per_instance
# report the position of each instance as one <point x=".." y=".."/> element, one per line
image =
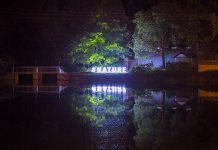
<point x="163" y="103"/>
<point x="13" y="72"/>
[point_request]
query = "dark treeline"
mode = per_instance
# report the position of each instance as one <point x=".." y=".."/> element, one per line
<point x="42" y="31"/>
<point x="171" y="23"/>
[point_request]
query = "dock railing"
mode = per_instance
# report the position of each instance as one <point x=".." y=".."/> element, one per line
<point x="56" y="69"/>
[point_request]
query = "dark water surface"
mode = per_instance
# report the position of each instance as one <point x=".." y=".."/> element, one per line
<point x="108" y="117"/>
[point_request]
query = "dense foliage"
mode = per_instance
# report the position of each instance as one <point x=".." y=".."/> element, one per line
<point x="95" y="49"/>
<point x="102" y="44"/>
<point x="170" y="24"/>
<point x="142" y="68"/>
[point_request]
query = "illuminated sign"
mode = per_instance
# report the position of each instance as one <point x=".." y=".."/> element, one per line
<point x="109" y="69"/>
<point x="109" y="89"/>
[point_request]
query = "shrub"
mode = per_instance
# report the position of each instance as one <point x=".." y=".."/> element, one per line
<point x="142" y="68"/>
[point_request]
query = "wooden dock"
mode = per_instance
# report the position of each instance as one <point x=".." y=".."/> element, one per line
<point x="39" y="75"/>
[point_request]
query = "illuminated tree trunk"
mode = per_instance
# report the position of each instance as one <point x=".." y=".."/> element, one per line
<point x="163" y="53"/>
<point x="163" y="58"/>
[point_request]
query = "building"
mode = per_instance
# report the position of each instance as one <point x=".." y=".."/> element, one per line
<point x="156" y="59"/>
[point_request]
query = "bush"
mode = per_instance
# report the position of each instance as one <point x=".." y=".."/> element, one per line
<point x="142" y="68"/>
<point x="171" y="68"/>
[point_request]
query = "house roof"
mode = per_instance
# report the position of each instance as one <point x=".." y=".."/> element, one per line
<point x="181" y="55"/>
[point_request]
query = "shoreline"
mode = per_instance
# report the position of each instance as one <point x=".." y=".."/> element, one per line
<point x="154" y="79"/>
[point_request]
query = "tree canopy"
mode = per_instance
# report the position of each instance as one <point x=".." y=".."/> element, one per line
<point x="169" y="24"/>
<point x="95" y="49"/>
<point x="102" y="44"/>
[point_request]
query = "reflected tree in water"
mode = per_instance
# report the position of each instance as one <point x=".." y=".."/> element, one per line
<point x="105" y="113"/>
<point x="95" y="109"/>
<point x="169" y="128"/>
<point x="146" y="120"/>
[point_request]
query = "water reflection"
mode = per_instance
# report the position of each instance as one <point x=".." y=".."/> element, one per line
<point x="117" y="91"/>
<point x="102" y="107"/>
<point x="109" y="88"/>
<point x="174" y="120"/>
<point x="112" y="116"/>
<point x="45" y="123"/>
<point x="38" y="89"/>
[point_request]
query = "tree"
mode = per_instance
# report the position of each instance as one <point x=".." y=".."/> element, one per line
<point x="170" y="24"/>
<point x="102" y="45"/>
<point x="96" y="50"/>
<point x="153" y="32"/>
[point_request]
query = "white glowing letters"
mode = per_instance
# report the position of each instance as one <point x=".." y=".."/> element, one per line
<point x="109" y="69"/>
<point x="109" y="89"/>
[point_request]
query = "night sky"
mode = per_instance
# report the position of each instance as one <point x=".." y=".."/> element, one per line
<point x="33" y="31"/>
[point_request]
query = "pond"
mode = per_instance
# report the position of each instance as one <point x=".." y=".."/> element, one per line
<point x="108" y="116"/>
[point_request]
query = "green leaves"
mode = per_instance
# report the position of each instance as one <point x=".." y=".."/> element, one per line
<point x="95" y="49"/>
<point x="95" y="102"/>
<point x="101" y="44"/>
<point x="113" y="47"/>
<point x="87" y="106"/>
<point x="145" y="35"/>
<point x="95" y="57"/>
<point x="90" y="42"/>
